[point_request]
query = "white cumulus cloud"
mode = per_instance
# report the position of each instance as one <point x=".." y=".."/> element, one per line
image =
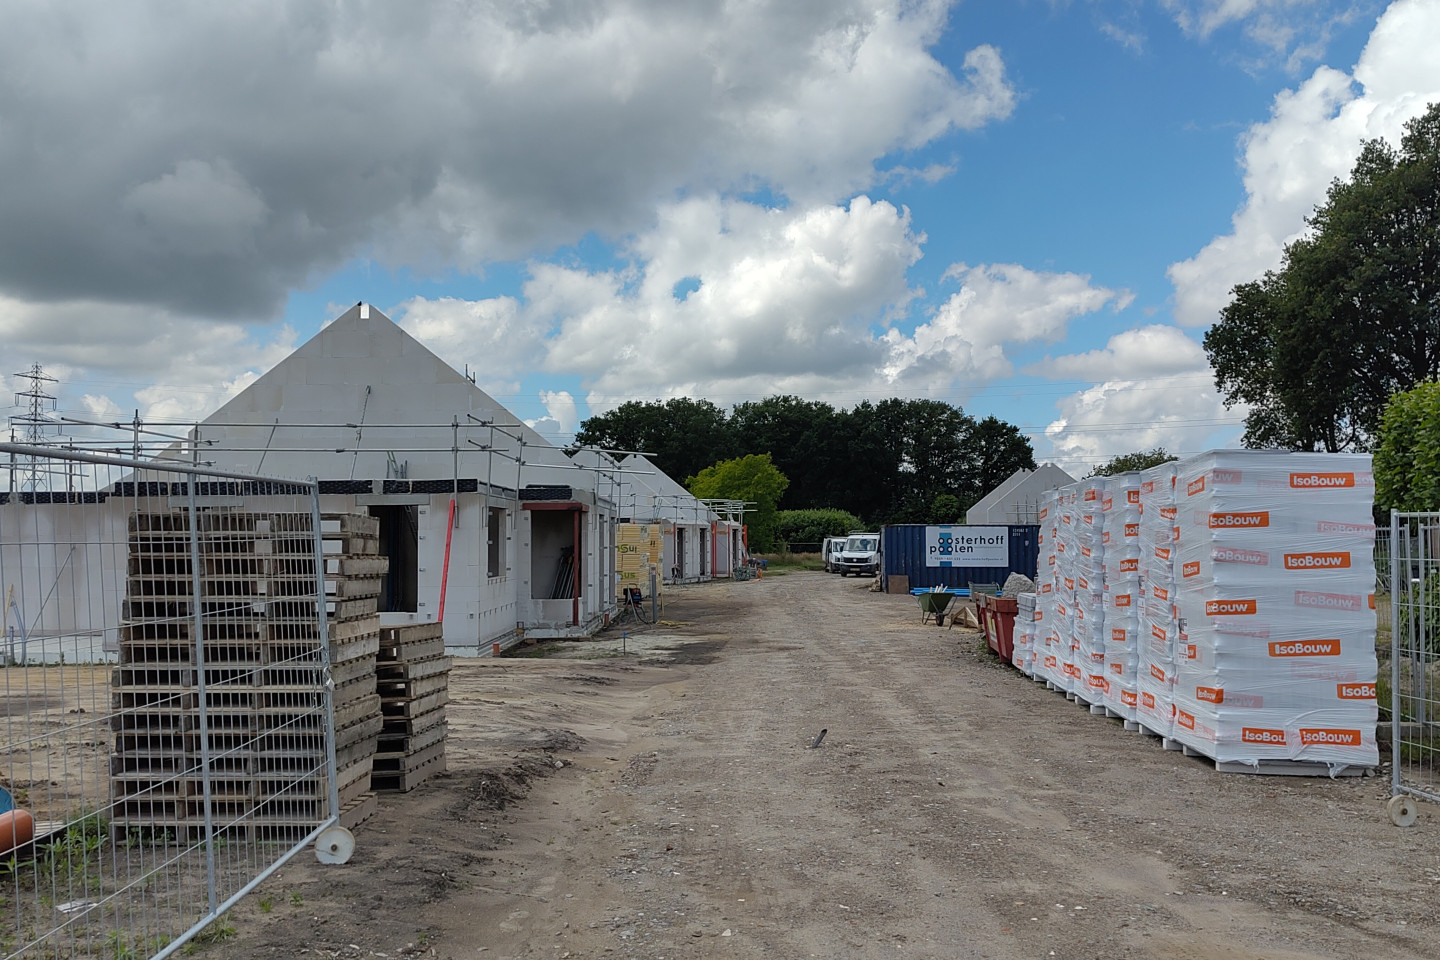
<point x="1313" y="136"/>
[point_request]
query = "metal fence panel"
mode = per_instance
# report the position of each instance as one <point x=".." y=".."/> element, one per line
<point x="1414" y="675"/>
<point x="169" y="725"/>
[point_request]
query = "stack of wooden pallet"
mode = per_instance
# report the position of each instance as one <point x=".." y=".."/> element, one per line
<point x="257" y="714"/>
<point x="412" y="676"/>
<point x="354" y="571"/>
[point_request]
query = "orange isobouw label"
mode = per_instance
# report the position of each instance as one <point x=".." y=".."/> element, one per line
<point x="1158" y="633"/>
<point x="1130" y="565"/>
<point x="1122" y="600"/>
<point x="1117" y="634"/>
<point x="1050" y="662"/>
<point x="1148" y="486"/>
<point x="1305" y="648"/>
<point x="1355" y="691"/>
<point x="1169" y="513"/>
<point x="1191" y="569"/>
<point x="1128" y="698"/>
<point x="1132" y="529"/>
<point x="1321" y="481"/>
<point x="1132" y="496"/>
<point x="1262" y="735"/>
<point x="1116" y="667"/>
<point x="1157" y="673"/>
<point x="1229" y="608"/>
<point x="1159" y="592"/>
<point x="1210" y="694"/>
<point x="1192" y="652"/>
<point x="1334" y="560"/>
<point x="1195" y="486"/>
<point x="1185" y="720"/>
<point x="1310" y="736"/>
<point x="1148" y="699"/>
<point x="1238" y="521"/>
<point x="1225" y="476"/>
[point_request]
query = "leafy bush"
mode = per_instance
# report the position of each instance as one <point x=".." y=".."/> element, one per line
<point x="813" y="526"/>
<point x="1407" y="458"/>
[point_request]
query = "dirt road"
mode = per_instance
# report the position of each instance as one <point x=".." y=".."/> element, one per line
<point x="954" y="810"/>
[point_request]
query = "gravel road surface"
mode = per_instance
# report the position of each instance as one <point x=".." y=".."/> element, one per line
<point x="667" y="803"/>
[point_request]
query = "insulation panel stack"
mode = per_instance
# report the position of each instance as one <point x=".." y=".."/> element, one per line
<point x="1023" y="656"/>
<point x="1088" y="551"/>
<point x="1048" y="665"/>
<point x="1238" y="607"/>
<point x="1121" y="537"/>
<point x="1159" y="623"/>
<point x="412" y="679"/>
<point x="1277" y="585"/>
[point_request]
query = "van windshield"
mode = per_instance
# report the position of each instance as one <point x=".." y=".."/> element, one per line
<point x="860" y="544"/>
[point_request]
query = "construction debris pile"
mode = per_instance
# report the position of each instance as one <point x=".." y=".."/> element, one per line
<point x="1224" y="604"/>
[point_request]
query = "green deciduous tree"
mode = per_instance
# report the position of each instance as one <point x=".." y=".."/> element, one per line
<point x="684" y="435"/>
<point x="1317" y="348"/>
<point x="887" y="461"/>
<point x="1407" y="456"/>
<point x="751" y="478"/>
<point x="799" y="435"/>
<point x="1140" y="460"/>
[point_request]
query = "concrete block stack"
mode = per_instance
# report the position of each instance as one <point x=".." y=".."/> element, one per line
<point x="412" y="679"/>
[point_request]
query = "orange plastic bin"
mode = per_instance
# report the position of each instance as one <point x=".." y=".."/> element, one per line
<point x="997" y="619"/>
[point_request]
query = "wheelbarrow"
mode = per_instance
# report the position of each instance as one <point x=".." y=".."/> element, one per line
<point x="934" y="604"/>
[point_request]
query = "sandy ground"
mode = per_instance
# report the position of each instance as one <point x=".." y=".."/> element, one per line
<point x="667" y="804"/>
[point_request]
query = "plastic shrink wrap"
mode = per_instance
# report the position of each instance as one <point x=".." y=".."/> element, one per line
<point x="1275" y="589"/>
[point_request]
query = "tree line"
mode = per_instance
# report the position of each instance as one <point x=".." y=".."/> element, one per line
<point x="893" y="461"/>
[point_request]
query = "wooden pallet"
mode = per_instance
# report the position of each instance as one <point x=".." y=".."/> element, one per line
<point x="407" y="780"/>
<point x="358" y="809"/>
<point x="408" y="744"/>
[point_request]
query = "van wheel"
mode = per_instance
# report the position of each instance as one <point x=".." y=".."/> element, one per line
<point x="842" y="573"/>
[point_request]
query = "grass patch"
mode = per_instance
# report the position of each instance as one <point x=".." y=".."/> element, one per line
<point x="785" y="560"/>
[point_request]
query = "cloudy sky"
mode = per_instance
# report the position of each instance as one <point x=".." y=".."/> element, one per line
<point x="1033" y="209"/>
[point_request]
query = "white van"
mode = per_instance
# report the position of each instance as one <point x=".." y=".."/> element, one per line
<point x="830" y="553"/>
<point x="861" y="555"/>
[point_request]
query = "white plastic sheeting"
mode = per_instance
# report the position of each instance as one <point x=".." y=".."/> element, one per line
<point x="1226" y="602"/>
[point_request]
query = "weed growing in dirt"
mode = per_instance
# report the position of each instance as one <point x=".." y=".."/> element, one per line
<point x="296" y="900"/>
<point x="266" y="904"/>
<point x="217" y="932"/>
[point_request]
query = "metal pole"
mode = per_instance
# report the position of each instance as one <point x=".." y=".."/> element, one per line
<point x="323" y="622"/>
<point x="198" y="624"/>
<point x="1418" y="611"/>
<point x="1395" y="716"/>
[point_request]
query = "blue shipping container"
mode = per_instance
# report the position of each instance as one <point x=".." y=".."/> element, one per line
<point x="957" y="555"/>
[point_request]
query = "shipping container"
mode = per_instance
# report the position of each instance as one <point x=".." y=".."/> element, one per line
<point x="938" y="555"/>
